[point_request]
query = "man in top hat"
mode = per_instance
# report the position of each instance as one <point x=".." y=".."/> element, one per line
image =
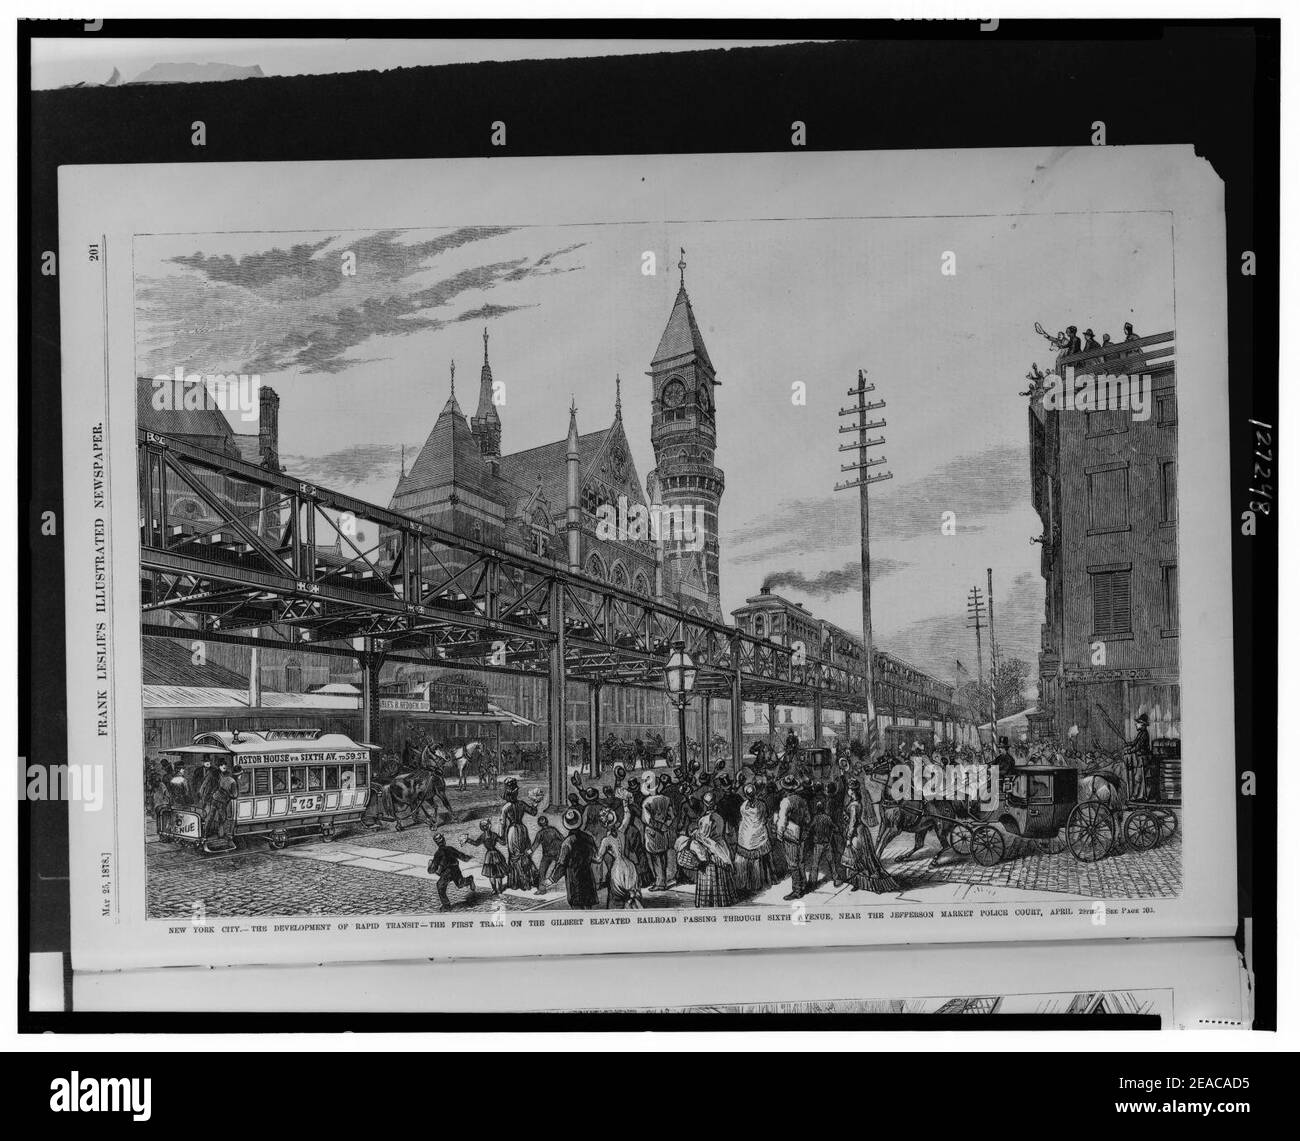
<point x="660" y="831"/>
<point x="1129" y="335"/>
<point x="577" y="854"/>
<point x="1138" y="759"/>
<point x="1074" y="345"/>
<point x="792" y="820"/>
<point x="1004" y="760"/>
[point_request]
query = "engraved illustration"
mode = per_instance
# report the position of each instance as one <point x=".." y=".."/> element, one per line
<point x="705" y="566"/>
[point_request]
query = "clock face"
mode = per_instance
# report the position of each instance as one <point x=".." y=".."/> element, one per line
<point x="674" y="394"/>
<point x="706" y="398"/>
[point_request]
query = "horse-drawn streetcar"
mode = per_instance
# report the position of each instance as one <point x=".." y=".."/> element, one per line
<point x="278" y="783"/>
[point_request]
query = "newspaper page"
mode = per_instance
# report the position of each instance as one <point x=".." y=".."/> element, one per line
<point x="1187" y="983"/>
<point x="656" y="553"/>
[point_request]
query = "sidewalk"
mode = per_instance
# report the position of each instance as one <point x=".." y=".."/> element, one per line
<point x="401" y="859"/>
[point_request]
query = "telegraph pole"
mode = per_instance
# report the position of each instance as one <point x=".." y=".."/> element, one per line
<point x="993" y="653"/>
<point x="862" y="482"/>
<point x="975" y="620"/>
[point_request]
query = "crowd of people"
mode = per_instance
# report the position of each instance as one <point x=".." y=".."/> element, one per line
<point x="1069" y="342"/>
<point x="209" y="788"/>
<point x="727" y="836"/>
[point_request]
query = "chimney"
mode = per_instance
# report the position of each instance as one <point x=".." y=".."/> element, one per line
<point x="268" y="427"/>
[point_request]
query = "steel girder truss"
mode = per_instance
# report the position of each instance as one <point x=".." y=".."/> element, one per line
<point x="270" y="560"/>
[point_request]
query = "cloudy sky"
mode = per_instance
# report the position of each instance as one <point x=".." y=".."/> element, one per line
<point x="362" y="366"/>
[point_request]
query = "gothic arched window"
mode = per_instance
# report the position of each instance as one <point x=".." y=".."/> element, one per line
<point x="596" y="567"/>
<point x="641" y="585"/>
<point x="619" y="576"/>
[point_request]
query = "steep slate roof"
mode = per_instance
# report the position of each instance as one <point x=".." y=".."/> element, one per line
<point x="451" y="454"/>
<point x="681" y="335"/>
<point x="550" y="462"/>
<point x="209" y="424"/>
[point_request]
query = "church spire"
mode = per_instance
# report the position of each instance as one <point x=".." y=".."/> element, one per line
<point x="618" y="397"/>
<point x="486" y="422"/>
<point x="451" y="405"/>
<point x="681" y="266"/>
<point x="572" y="462"/>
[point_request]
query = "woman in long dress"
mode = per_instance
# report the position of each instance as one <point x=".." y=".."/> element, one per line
<point x="522" y="873"/>
<point x="770" y="798"/>
<point x="623" y="879"/>
<point x="494" y="863"/>
<point x="860" y="866"/>
<point x="715" y="879"/>
<point x="753" y="845"/>
<point x="629" y="816"/>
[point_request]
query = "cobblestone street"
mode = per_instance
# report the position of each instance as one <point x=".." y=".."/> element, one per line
<point x="383" y="872"/>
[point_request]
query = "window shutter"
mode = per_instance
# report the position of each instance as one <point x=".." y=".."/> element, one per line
<point x="1101" y="606"/>
<point x="1120" y="608"/>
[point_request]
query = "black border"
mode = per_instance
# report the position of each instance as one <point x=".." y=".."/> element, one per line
<point x="881" y="85"/>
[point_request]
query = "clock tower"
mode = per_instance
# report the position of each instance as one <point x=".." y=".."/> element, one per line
<point x="683" y="433"/>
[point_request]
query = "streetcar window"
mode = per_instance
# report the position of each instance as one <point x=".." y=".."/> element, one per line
<point x="245" y="783"/>
<point x="297" y="778"/>
<point x="363" y="776"/>
<point x="314" y="778"/>
<point x="347" y="778"/>
<point x="331" y="776"/>
<point x="279" y="780"/>
<point x="262" y="780"/>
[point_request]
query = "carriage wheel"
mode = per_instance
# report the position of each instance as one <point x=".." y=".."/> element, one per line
<point x="987" y="845"/>
<point x="1142" y="830"/>
<point x="278" y="839"/>
<point x="1168" y="823"/>
<point x="960" y="839"/>
<point x="1090" y="831"/>
<point x="327" y="831"/>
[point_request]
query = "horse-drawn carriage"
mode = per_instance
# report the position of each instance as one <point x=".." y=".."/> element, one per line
<point x="1041" y="801"/>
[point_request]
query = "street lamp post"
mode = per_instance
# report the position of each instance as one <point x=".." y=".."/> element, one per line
<point x="679" y="678"/>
